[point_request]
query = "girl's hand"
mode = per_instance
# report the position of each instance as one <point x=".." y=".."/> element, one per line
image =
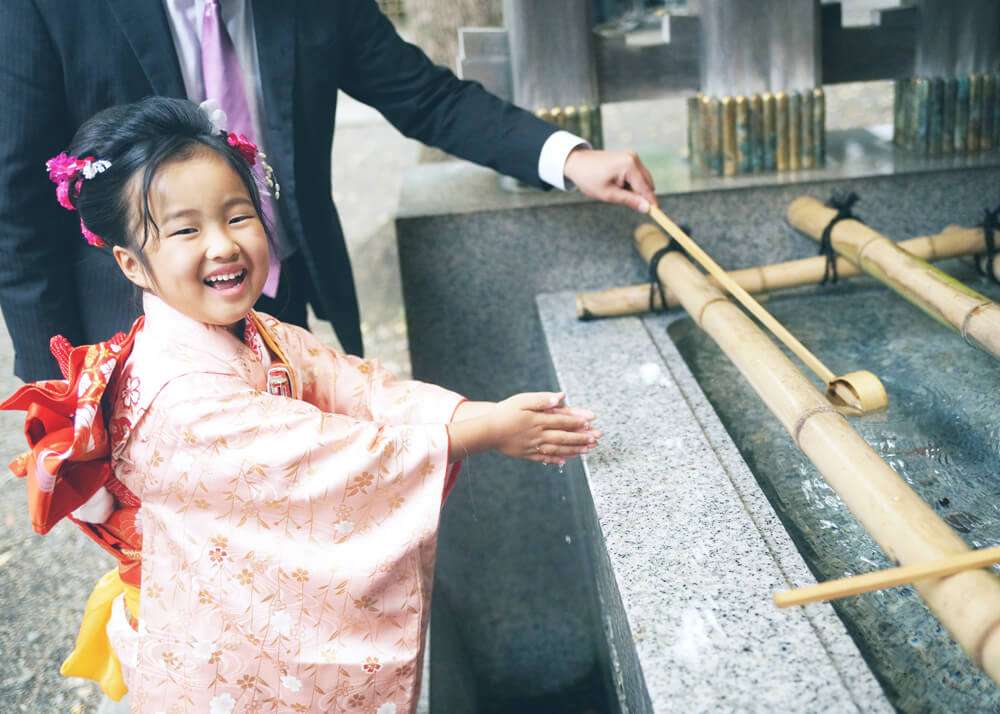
<point x="537" y="427"/>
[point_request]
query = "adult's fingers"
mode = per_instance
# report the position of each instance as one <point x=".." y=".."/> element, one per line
<point x="623" y="196"/>
<point x="649" y="180"/>
<point x="641" y="182"/>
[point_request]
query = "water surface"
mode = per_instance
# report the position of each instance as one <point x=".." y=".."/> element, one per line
<point x="941" y="434"/>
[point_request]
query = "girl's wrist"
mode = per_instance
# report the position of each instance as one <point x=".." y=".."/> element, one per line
<point x="469" y="436"/>
<point x="472" y="410"/>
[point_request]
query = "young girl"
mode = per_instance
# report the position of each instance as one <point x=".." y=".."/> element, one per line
<point x="280" y="498"/>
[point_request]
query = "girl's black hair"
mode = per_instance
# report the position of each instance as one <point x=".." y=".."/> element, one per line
<point x="141" y="137"/>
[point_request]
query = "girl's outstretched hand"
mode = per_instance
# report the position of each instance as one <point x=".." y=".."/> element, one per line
<point x="537" y="426"/>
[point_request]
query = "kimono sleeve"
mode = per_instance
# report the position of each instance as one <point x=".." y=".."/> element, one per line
<point x="214" y="445"/>
<point x="363" y="389"/>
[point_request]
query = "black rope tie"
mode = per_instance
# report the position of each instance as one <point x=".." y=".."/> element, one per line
<point x="990" y="224"/>
<point x="655" y="286"/>
<point x="843" y="203"/>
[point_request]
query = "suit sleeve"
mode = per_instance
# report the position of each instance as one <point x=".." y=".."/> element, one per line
<point x="429" y="103"/>
<point x="36" y="277"/>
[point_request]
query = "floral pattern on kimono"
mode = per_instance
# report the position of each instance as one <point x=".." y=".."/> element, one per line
<point x="288" y="545"/>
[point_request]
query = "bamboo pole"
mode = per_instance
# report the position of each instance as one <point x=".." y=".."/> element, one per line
<point x="907" y="529"/>
<point x="952" y="242"/>
<point x="623" y="301"/>
<point x="887" y="578"/>
<point x="859" y="391"/>
<point x="975" y="316"/>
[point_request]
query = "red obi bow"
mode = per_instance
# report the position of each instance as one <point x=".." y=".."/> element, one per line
<point x="66" y="426"/>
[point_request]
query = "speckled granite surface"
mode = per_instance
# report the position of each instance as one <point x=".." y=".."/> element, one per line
<point x="516" y="616"/>
<point x="693" y="548"/>
<point x="461" y="187"/>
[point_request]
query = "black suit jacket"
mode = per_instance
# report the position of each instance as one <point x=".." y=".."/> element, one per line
<point x="61" y="62"/>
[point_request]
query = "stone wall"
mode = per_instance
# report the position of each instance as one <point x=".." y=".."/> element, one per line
<point x="433" y="24"/>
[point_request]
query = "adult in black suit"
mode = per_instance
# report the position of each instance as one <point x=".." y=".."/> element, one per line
<point x="61" y="62"/>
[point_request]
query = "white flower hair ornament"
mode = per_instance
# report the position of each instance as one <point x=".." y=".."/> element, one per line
<point x="92" y="168"/>
<point x="248" y="150"/>
<point x="218" y="118"/>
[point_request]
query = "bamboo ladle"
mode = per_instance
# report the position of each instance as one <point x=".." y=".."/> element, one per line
<point x="888" y="578"/>
<point x="858" y="392"/>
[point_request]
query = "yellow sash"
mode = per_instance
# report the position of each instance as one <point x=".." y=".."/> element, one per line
<point x="93" y="658"/>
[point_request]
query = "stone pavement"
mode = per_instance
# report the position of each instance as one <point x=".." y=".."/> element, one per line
<point x="44" y="583"/>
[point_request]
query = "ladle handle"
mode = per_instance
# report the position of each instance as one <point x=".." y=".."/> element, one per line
<point x="776" y="328"/>
<point x="888" y="578"/>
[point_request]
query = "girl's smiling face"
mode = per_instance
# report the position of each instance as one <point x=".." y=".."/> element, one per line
<point x="209" y="257"/>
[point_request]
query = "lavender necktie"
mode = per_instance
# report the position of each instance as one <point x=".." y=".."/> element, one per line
<point x="223" y="78"/>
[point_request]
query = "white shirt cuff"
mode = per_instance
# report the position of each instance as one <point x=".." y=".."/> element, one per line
<point x="552" y="160"/>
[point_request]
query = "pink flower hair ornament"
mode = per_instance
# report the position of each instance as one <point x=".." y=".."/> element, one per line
<point x="251" y="154"/>
<point x="248" y="150"/>
<point x="67" y="171"/>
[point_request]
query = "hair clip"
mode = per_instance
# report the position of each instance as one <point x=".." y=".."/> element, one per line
<point x="66" y="171"/>
<point x="248" y="150"/>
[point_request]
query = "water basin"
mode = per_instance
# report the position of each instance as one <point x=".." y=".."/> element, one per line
<point x="941" y="434"/>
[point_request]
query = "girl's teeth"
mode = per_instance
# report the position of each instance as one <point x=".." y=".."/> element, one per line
<point x="224" y="278"/>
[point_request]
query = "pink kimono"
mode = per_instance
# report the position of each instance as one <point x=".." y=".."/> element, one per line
<point x="287" y="543"/>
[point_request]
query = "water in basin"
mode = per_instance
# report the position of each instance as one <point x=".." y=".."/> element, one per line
<point x="941" y="434"/>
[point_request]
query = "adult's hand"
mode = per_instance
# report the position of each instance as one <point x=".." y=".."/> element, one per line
<point x="612" y="176"/>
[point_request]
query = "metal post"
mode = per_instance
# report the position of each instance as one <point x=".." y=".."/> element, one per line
<point x="552" y="53"/>
<point x="750" y="47"/>
<point x="957" y="38"/>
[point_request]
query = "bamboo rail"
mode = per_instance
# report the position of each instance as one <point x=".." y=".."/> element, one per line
<point x="888" y="578"/>
<point x="907" y="529"/>
<point x="952" y="242"/>
<point x="859" y="391"/>
<point x="973" y="315"/>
